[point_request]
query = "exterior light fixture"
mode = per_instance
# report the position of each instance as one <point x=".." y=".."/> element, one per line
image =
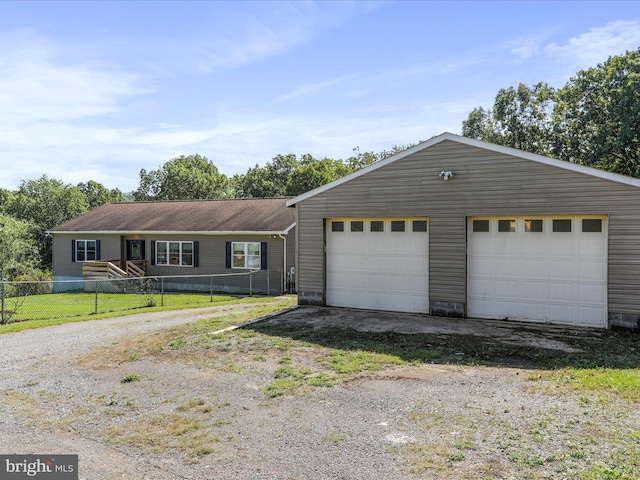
<point x="446" y="174"/>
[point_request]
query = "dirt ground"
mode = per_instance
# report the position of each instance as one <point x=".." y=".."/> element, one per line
<point x="195" y="406"/>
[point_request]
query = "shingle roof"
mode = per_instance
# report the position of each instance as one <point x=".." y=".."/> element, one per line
<point x="238" y="215"/>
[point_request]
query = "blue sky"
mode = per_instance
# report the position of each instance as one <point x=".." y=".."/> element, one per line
<point x="98" y="90"/>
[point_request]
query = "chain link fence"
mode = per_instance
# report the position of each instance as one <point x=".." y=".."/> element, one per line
<point x="23" y="301"/>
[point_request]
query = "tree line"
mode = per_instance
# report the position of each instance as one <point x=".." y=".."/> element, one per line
<point x="27" y="213"/>
<point x="594" y="120"/>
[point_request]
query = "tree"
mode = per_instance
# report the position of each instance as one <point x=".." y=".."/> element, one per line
<point x="521" y="118"/>
<point x="45" y="203"/>
<point x="18" y="249"/>
<point x="183" y="178"/>
<point x="312" y="173"/>
<point x="268" y="181"/>
<point x="593" y="120"/>
<point x="597" y="118"/>
<point x="97" y="194"/>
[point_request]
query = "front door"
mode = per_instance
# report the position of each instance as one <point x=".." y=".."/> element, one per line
<point x="135" y="250"/>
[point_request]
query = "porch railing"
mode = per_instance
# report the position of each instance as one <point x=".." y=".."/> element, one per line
<point x="95" y="269"/>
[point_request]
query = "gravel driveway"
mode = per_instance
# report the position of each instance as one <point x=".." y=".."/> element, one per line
<point x="54" y="400"/>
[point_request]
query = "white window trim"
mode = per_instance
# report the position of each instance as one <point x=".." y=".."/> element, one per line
<point x="168" y="264"/>
<point x="86" y="250"/>
<point x="245" y="255"/>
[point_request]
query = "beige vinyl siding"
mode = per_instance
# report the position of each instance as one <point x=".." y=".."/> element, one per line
<point x="61" y="248"/>
<point x="212" y="254"/>
<point x="486" y="183"/>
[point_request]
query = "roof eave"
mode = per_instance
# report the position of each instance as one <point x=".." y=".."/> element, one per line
<point x="172" y="232"/>
<point x="615" y="177"/>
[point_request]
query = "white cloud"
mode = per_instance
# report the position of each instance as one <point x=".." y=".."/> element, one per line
<point x="36" y="86"/>
<point x="528" y="50"/>
<point x="597" y="45"/>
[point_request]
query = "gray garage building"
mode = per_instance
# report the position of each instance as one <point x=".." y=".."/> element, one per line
<point x="458" y="227"/>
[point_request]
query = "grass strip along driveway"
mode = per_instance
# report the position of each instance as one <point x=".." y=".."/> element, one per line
<point x="456" y="406"/>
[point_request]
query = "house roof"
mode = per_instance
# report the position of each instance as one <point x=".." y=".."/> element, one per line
<point x="474" y="143"/>
<point x="251" y="215"/>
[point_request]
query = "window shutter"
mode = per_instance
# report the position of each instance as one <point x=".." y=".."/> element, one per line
<point x="228" y="247"/>
<point x="196" y="254"/>
<point x="73" y="251"/>
<point x="153" y="252"/>
<point x="263" y="255"/>
<point x="97" y="249"/>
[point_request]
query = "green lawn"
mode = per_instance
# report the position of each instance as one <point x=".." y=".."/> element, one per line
<point x="74" y="304"/>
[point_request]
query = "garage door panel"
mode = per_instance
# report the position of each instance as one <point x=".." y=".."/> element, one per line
<point x="507" y="267"/>
<point x="547" y="276"/>
<point x="561" y="270"/>
<point x="591" y="294"/>
<point x="562" y="292"/>
<point x="590" y="271"/>
<point x="592" y="248"/>
<point x="378" y="269"/>
<point x="535" y="291"/>
<point x="562" y="247"/>
<point x="535" y="269"/>
<point x="534" y="311"/>
<point x="507" y="290"/>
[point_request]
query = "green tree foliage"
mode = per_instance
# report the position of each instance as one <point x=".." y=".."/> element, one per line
<point x="183" y="178"/>
<point x="520" y="118"/>
<point x="593" y="120"/>
<point x="97" y="194"/>
<point x="312" y="173"/>
<point x="268" y="181"/>
<point x="18" y="248"/>
<point x="597" y="117"/>
<point x="45" y="203"/>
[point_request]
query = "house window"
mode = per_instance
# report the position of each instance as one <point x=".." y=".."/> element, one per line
<point x="397" y="225"/>
<point x="481" y="226"/>
<point x="533" y="226"/>
<point x="591" y="225"/>
<point x="86" y="250"/>
<point x="337" y="226"/>
<point x="377" y="225"/>
<point x="174" y="253"/>
<point x="419" y="225"/>
<point x="562" y="225"/>
<point x="357" y="226"/>
<point x="506" y="226"/>
<point x="246" y="255"/>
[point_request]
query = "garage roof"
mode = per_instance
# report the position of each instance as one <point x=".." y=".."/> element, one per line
<point x="474" y="143"/>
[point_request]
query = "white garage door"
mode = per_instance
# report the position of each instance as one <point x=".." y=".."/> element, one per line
<point x="544" y="269"/>
<point x="378" y="264"/>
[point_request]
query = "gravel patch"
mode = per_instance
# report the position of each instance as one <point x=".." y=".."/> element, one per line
<point x="382" y="425"/>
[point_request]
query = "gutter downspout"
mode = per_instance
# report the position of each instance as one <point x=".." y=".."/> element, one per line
<point x="284" y="266"/>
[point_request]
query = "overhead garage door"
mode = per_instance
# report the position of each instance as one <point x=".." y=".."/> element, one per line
<point x="378" y="264"/>
<point x="544" y="269"/>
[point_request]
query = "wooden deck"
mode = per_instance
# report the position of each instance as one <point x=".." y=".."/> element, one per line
<point x="96" y="269"/>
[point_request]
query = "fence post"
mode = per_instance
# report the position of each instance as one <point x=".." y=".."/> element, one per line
<point x="95" y="309"/>
<point x="162" y="291"/>
<point x="251" y="283"/>
<point x="211" y="288"/>
<point x="268" y="289"/>
<point x="3" y="317"/>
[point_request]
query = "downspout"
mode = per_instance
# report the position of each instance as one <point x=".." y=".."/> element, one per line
<point x="284" y="266"/>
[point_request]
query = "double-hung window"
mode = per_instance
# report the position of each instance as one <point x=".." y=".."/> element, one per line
<point x="85" y="250"/>
<point x="246" y="255"/>
<point x="174" y="253"/>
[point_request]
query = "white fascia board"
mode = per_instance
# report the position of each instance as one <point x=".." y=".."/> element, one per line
<point x="514" y="152"/>
<point x="288" y="229"/>
<point x="160" y="232"/>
